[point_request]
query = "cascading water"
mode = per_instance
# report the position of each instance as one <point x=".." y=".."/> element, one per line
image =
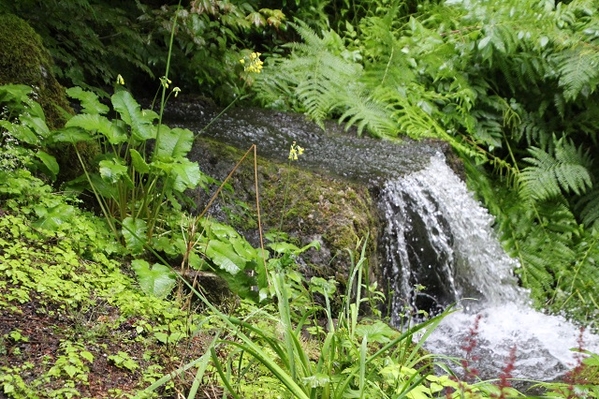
<point x="440" y="249"/>
<point x="436" y="237"/>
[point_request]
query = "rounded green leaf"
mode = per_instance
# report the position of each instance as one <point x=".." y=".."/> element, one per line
<point x="112" y="171"/>
<point x="157" y="280"/>
<point x="174" y="143"/>
<point x="138" y="162"/>
<point x="71" y="135"/>
<point x="134" y="232"/>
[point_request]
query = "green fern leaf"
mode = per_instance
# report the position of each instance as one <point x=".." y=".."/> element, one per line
<point x="549" y="174"/>
<point x="579" y="71"/>
<point x="370" y="114"/>
<point x="588" y="205"/>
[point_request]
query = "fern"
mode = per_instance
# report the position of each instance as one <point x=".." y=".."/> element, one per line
<point x="579" y="71"/>
<point x="540" y="237"/>
<point x="316" y="74"/>
<point x="551" y="174"/>
<point x="588" y="207"/>
<point x="364" y="112"/>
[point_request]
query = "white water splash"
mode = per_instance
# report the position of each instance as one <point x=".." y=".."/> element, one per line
<point x="437" y="233"/>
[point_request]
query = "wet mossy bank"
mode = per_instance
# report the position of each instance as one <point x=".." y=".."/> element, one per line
<point x="25" y="60"/>
<point x="307" y="206"/>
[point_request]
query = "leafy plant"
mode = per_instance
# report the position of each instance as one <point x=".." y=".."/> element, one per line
<point x="25" y="135"/>
<point x="123" y="360"/>
<point x="80" y="34"/>
<point x="353" y="358"/>
<point x="132" y="185"/>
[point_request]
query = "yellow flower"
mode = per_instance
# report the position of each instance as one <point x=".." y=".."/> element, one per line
<point x="295" y="151"/>
<point x="120" y="80"/>
<point x="254" y="64"/>
<point x="176" y="90"/>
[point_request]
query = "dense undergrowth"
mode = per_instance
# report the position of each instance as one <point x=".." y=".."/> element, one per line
<point x="95" y="291"/>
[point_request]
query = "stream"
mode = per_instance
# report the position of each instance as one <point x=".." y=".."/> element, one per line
<point x="438" y="246"/>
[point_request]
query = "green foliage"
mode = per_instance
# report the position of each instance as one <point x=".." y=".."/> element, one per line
<point x="156" y="280"/>
<point x="94" y="41"/>
<point x="211" y="40"/>
<point x="352" y="359"/>
<point x="90" y="41"/>
<point x="25" y="135"/>
<point x="124" y="360"/>
<point x="550" y="175"/>
<point x="132" y="185"/>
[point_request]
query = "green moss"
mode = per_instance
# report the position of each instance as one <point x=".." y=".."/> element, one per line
<point x="24" y="60"/>
<point x="303" y="204"/>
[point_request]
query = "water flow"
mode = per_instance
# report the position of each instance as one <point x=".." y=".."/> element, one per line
<point x="440" y="249"/>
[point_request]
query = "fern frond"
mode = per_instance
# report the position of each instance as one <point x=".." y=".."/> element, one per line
<point x="316" y="74"/>
<point x="581" y="280"/>
<point x="540" y="237"/>
<point x="549" y="174"/>
<point x="578" y="69"/>
<point x="365" y="112"/>
<point x="588" y="207"/>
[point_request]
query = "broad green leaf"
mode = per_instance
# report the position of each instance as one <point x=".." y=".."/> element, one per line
<point x="322" y="286"/>
<point x="157" y="280"/>
<point x="21" y="132"/>
<point x="112" y="171"/>
<point x="138" y="161"/>
<point x="218" y="230"/>
<point x="174" y="143"/>
<point x="141" y="122"/>
<point x="87" y="356"/>
<point x="224" y="256"/>
<point x="53" y="218"/>
<point x="244" y="249"/>
<point x="89" y="101"/>
<point x="71" y="135"/>
<point x="97" y="123"/>
<point x="377" y="332"/>
<point x="134" y="232"/>
<point x="15" y="93"/>
<point x="37" y="124"/>
<point x="49" y="162"/>
<point x="102" y="187"/>
<point x="71" y="370"/>
<point x="186" y="175"/>
<point x="283" y="247"/>
<point x="484" y="42"/>
<point x="170" y="338"/>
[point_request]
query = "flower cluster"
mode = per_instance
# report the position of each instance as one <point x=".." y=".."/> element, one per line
<point x="295" y="151"/>
<point x="252" y="63"/>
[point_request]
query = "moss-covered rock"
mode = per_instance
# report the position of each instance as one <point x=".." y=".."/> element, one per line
<point x="305" y="205"/>
<point x="24" y="60"/>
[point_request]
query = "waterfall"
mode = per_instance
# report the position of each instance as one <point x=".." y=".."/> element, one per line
<point x="439" y="248"/>
<point x="437" y="244"/>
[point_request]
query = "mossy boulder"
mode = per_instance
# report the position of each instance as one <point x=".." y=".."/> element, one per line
<point x="24" y="60"/>
<point x="305" y="205"/>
